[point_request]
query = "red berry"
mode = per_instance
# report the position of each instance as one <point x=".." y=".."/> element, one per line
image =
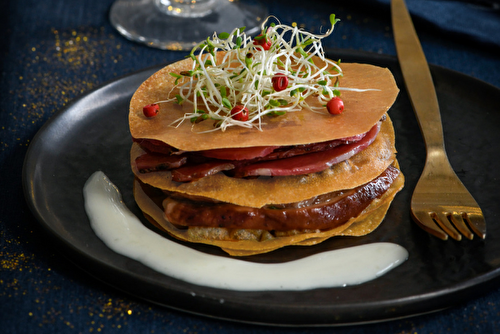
<point x="335" y="106"/>
<point x="280" y="82"/>
<point x="239" y="113"/>
<point x="263" y="41"/>
<point x="151" y="110"/>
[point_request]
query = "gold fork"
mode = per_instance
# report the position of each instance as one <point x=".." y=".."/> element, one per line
<point x="439" y="197"/>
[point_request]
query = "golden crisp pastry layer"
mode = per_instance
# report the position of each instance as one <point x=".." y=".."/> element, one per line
<point x="359" y="169"/>
<point x="240" y="242"/>
<point x="362" y="110"/>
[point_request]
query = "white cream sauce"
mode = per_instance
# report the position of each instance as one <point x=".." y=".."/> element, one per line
<point x="123" y="232"/>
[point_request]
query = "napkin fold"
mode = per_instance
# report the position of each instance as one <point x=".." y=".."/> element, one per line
<point x="478" y="20"/>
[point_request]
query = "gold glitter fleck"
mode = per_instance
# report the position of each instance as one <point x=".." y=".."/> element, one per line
<point x="52" y="72"/>
<point x="14" y="261"/>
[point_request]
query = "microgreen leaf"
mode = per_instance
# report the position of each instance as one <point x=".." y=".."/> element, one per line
<point x="177" y="76"/>
<point x="179" y="99"/>
<point x="187" y="73"/>
<point x="223" y="92"/>
<point x="274" y="103"/>
<point x="224" y="35"/>
<point x="245" y="75"/>
<point x="304" y="54"/>
<point x="278" y="113"/>
<point x="307" y="42"/>
<point x="333" y="20"/>
<point x="198" y="119"/>
<point x="256" y="64"/>
<point x="226" y="103"/>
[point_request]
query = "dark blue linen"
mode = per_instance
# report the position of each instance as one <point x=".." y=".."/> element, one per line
<point x="53" y="51"/>
<point x="476" y="20"/>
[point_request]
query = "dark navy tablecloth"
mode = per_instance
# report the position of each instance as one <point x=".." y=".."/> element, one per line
<point x="52" y="51"/>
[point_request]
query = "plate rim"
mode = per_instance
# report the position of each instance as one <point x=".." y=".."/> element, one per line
<point x="468" y="288"/>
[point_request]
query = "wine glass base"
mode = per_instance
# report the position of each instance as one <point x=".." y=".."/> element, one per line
<point x="144" y="22"/>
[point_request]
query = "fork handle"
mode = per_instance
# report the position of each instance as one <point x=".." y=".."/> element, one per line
<point x="418" y="79"/>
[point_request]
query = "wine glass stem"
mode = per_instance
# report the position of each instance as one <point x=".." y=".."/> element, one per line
<point x="186" y="8"/>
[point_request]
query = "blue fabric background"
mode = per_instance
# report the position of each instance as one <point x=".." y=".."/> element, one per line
<point x="52" y="51"/>
<point x="468" y="20"/>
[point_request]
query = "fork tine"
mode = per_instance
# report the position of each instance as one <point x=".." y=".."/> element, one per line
<point x="438" y="186"/>
<point x="444" y="222"/>
<point x="425" y="221"/>
<point x="459" y="223"/>
<point x="477" y="224"/>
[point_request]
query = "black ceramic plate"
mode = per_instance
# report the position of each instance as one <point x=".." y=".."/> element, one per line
<point x="92" y="134"/>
